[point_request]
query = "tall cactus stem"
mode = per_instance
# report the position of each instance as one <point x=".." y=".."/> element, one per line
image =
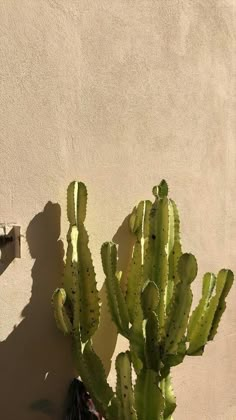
<point x="153" y="313"/>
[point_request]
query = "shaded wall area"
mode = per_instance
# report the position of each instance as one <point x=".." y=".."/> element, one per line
<point x="35" y="361"/>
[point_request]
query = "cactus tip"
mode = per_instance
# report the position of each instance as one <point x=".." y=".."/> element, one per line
<point x="187" y="267"/>
<point x="161" y="190"/>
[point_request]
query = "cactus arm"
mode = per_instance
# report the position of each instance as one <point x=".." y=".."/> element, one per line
<point x="149" y="401"/>
<point x="70" y="279"/>
<point x="72" y="194"/>
<point x="149" y="298"/>
<point x="89" y="300"/>
<point x="137" y="344"/>
<point x="116" y="301"/>
<point x="79" y="275"/>
<point x="114" y="410"/>
<point x="62" y="319"/>
<point x="135" y="272"/>
<point x="152" y="348"/>
<point x="88" y="293"/>
<point x="170" y="360"/>
<point x="76" y="202"/>
<point x="171" y="228"/>
<point x="100" y="386"/>
<point x="222" y="304"/>
<point x="169" y="250"/>
<point x="92" y="373"/>
<point x="208" y="287"/>
<point x="175" y="251"/>
<point x="137" y="275"/>
<point x="182" y="300"/>
<point x="158" y="244"/>
<point x="139" y="225"/>
<point x="124" y="390"/>
<point x="168" y="394"/>
<point x="205" y="328"/>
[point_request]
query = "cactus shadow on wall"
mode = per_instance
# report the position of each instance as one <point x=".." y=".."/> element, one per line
<point x="35" y="359"/>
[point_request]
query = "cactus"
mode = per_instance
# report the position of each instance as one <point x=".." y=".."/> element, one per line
<point x="152" y="311"/>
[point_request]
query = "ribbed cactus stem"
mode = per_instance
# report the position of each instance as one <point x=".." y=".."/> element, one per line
<point x="153" y="313"/>
<point x="158" y="244"/>
<point x="76" y="305"/>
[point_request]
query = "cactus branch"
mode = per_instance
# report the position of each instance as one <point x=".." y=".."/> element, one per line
<point x="153" y="313"/>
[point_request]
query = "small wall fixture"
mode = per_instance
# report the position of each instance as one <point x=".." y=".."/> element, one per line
<point x="9" y="245"/>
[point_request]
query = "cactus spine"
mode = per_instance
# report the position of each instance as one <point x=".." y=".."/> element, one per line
<point x="153" y="312"/>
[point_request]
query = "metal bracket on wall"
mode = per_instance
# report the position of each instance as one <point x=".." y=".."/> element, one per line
<point x="9" y="245"/>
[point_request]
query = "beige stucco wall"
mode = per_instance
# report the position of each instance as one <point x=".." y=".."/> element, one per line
<point x="118" y="94"/>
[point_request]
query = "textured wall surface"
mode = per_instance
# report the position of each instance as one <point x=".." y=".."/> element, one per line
<point x="119" y="94"/>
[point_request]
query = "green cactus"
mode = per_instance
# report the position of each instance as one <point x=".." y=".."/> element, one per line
<point x="153" y="312"/>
